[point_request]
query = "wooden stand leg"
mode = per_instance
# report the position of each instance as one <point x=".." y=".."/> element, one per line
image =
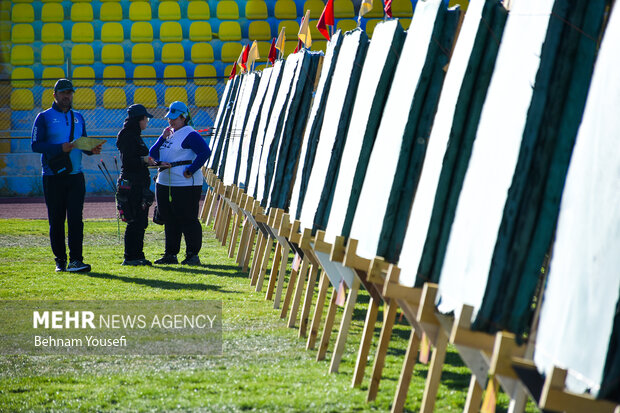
<point x="318" y="311"/>
<point x="474" y="396"/>
<point x="389" y="315"/>
<point x="226" y="227"/>
<point x="263" y="267"/>
<point x="305" y="310"/>
<point x="518" y="400"/>
<point x="405" y="374"/>
<point x="281" y="275"/>
<point x="434" y="372"/>
<point x="367" y="334"/>
<point x="345" y="323"/>
<point x="289" y="293"/>
<point x="234" y="236"/>
<point x="218" y="217"/>
<point x="248" y="250"/>
<point x="213" y="207"/>
<point x="258" y="256"/>
<point x="275" y="267"/>
<point x="206" y="204"/>
<point x="301" y="280"/>
<point x="327" y="328"/>
<point x="242" y="243"/>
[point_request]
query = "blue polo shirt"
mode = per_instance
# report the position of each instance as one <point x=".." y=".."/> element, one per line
<point x="51" y="129"/>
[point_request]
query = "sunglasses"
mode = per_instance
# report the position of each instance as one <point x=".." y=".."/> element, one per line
<point x="173" y="111"/>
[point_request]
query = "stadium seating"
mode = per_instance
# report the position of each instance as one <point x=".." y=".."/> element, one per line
<point x="172" y="53"/>
<point x="82" y="33"/>
<point x="346" y="24"/>
<point x="112" y="32"/>
<point x="376" y="11"/>
<point x="47" y="98"/>
<point x="285" y="9"/>
<point x="170" y="31"/>
<point x="111" y="12"/>
<point x="114" y="76"/>
<point x="175" y="75"/>
<point x="141" y="32"/>
<point x="84" y="98"/>
<point x="259" y="30"/>
<point x="230" y="52"/>
<point x="22" y="13"/>
<point x="198" y="10"/>
<point x="83" y="76"/>
<point x="402" y="8"/>
<point x="370" y="26"/>
<point x="316" y="8"/>
<point x="52" y="33"/>
<point x="22" y="54"/>
<point x="206" y="96"/>
<point x="114" y="98"/>
<point x="202" y="53"/>
<point x="82" y="54"/>
<point x="22" y="99"/>
<point x="291" y="28"/>
<point x="145" y="96"/>
<point x="144" y="76"/>
<point x="22" y="33"/>
<point x="142" y="53"/>
<point x="200" y="31"/>
<point x="52" y="55"/>
<point x="256" y="9"/>
<point x="22" y="77"/>
<point x="343" y="9"/>
<point x="140" y="11"/>
<point x="175" y="93"/>
<point x="52" y="13"/>
<point x="227" y="10"/>
<point x="205" y="71"/>
<point x="81" y="12"/>
<point x="169" y="10"/>
<point x="51" y="74"/>
<point x="229" y="31"/>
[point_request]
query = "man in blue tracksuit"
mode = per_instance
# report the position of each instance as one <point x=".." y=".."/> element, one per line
<point x="63" y="181"/>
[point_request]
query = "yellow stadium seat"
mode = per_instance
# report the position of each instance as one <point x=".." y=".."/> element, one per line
<point x="144" y="76"/>
<point x="263" y="49"/>
<point x="22" y="77"/>
<point x="83" y="76"/>
<point x="47" y="98"/>
<point x="114" y="98"/>
<point x="82" y="54"/>
<point x="145" y="96"/>
<point x="319" y="45"/>
<point x="142" y="53"/>
<point x="285" y="9"/>
<point x="22" y="99"/>
<point x="169" y="10"/>
<point x="402" y="8"/>
<point x="314" y="32"/>
<point x="227" y="10"/>
<point x="172" y="53"/>
<point x="112" y="32"/>
<point x="205" y="71"/>
<point x="81" y="12"/>
<point x="206" y="96"/>
<point x="346" y="24"/>
<point x="114" y="76"/>
<point x="52" y="33"/>
<point x="316" y="8"/>
<point x="291" y="28"/>
<point x="231" y="51"/>
<point x="256" y="9"/>
<point x="22" y="13"/>
<point x="52" y="55"/>
<point x="229" y="31"/>
<point x="228" y="70"/>
<point x="200" y="32"/>
<point x="202" y="53"/>
<point x="198" y="10"/>
<point x="174" y="93"/>
<point x="82" y="33"/>
<point x="370" y="26"/>
<point x="140" y="11"/>
<point x="22" y="33"/>
<point x="376" y="11"/>
<point x="141" y="32"/>
<point x="343" y="9"/>
<point x="259" y="30"/>
<point x="175" y="75"/>
<point x="84" y="98"/>
<point x="112" y="54"/>
<point x="52" y="13"/>
<point x="289" y="47"/>
<point x="170" y="31"/>
<point x="405" y="23"/>
<point x="51" y="74"/>
<point x="22" y="55"/>
<point x="111" y="12"/>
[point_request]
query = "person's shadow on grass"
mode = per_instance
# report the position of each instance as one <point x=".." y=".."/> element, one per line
<point x="205" y="269"/>
<point x="161" y="284"/>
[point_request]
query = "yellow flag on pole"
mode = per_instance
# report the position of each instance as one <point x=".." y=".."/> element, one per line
<point x="365" y="7"/>
<point x="280" y="41"/>
<point x="253" y="55"/>
<point x="304" y="30"/>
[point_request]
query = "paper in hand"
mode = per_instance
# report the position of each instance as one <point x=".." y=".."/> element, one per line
<point x="87" y="144"/>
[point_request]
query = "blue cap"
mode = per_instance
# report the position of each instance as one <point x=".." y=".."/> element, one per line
<point x="176" y="109"/>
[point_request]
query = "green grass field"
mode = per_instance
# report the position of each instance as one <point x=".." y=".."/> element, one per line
<point x="264" y="366"/>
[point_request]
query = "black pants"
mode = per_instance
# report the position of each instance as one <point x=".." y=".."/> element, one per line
<point x="64" y="197"/>
<point x="181" y="217"/>
<point x="134" y="233"/>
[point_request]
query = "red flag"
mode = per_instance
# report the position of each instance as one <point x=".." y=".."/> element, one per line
<point x="233" y="72"/>
<point x="388" y="8"/>
<point x="326" y="19"/>
<point x="244" y="59"/>
<point x="272" y="51"/>
<point x="300" y="45"/>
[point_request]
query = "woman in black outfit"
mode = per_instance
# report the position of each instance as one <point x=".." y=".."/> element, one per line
<point x="134" y="196"/>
